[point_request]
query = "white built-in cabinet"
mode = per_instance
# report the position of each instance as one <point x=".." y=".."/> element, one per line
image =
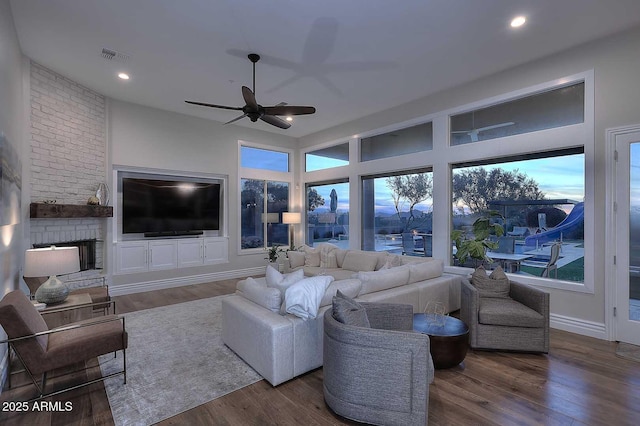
<point x="163" y="254"/>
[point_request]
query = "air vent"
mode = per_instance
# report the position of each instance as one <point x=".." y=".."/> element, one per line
<point x="113" y="55"/>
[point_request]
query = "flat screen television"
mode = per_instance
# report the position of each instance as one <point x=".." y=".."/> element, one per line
<point x="169" y="207"/>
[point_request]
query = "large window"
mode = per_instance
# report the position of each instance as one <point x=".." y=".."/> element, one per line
<point x="261" y="206"/>
<point x="540" y="202"/>
<point x="328" y="213"/>
<point x="393" y="205"/>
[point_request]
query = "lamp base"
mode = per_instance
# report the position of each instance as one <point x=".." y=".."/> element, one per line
<point x="52" y="291"/>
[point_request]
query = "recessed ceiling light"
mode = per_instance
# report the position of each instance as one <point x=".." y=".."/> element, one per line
<point x="123" y="76"/>
<point x="289" y="118"/>
<point x="518" y="21"/>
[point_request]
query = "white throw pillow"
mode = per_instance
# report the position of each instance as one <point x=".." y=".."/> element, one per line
<point x="374" y="281"/>
<point x="303" y="298"/>
<point x="296" y="259"/>
<point x="328" y="257"/>
<point x="311" y="256"/>
<point x="259" y="293"/>
<point x="275" y="279"/>
<point x="421" y="271"/>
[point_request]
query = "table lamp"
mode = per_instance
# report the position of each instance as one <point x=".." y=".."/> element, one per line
<point x="49" y="262"/>
<point x="291" y="218"/>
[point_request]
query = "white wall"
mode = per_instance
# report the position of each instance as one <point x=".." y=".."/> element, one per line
<point x="11" y="125"/>
<point x="150" y="138"/>
<point x="615" y="61"/>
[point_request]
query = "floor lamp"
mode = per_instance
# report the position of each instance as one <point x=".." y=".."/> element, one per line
<point x="291" y="218"/>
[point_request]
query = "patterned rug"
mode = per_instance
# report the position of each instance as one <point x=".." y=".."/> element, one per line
<point x="175" y="361"/>
<point x="628" y="351"/>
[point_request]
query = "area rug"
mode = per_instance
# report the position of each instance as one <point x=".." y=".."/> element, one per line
<point x="175" y="361"/>
<point x="628" y="351"/>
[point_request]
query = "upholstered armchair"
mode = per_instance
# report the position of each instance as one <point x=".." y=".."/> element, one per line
<point x="381" y="374"/>
<point x="41" y="350"/>
<point x="519" y="322"/>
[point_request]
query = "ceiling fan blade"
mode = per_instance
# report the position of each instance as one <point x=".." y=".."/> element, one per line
<point x="236" y="119"/>
<point x="495" y="126"/>
<point x="275" y="121"/>
<point x="289" y="110"/>
<point x="214" y="105"/>
<point x="249" y="98"/>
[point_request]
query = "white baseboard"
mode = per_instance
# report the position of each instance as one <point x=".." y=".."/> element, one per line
<point x="119" y="290"/>
<point x="578" y="326"/>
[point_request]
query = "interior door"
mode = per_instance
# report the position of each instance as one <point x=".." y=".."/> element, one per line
<point x="627" y="226"/>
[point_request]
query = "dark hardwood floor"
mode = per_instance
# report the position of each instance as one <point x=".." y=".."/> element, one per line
<point x="580" y="382"/>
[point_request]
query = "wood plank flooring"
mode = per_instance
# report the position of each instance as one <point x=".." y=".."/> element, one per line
<point x="580" y="382"/>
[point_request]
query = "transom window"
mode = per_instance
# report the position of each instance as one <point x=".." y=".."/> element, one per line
<point x="258" y="158"/>
<point x="398" y="142"/>
<point x="554" y="108"/>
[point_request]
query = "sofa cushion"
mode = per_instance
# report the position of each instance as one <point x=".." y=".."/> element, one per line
<point x="258" y="292"/>
<point x="348" y="287"/>
<point x="421" y="271"/>
<point x="508" y="312"/>
<point x="392" y="261"/>
<point x="360" y="261"/>
<point x="494" y="285"/>
<point x="340" y="254"/>
<point x="303" y="298"/>
<point x="311" y="256"/>
<point x="373" y="281"/>
<point x="296" y="259"/>
<point x="328" y="257"/>
<point x="275" y="279"/>
<point x="349" y="312"/>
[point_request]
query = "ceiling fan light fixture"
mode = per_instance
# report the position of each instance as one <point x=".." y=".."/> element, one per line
<point x="123" y="76"/>
<point x="518" y="21"/>
<point x="289" y="118"/>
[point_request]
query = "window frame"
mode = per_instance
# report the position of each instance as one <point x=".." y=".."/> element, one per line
<point x="264" y="175"/>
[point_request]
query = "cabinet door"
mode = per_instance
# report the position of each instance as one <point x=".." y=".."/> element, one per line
<point x="215" y="250"/>
<point x="163" y="255"/>
<point x="132" y="257"/>
<point x="190" y="252"/>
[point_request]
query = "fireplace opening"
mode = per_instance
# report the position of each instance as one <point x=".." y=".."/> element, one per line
<point x="86" y="249"/>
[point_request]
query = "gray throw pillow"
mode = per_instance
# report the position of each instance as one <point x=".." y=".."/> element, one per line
<point x="494" y="285"/>
<point x="348" y="311"/>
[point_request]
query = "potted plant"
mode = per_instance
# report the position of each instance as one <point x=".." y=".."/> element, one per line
<point x="475" y="246"/>
<point x="273" y="253"/>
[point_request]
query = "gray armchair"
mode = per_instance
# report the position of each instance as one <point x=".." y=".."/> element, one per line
<point x="517" y="323"/>
<point x="378" y="375"/>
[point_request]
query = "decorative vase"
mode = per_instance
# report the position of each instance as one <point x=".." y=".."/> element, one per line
<point x="52" y="291"/>
<point x="102" y="194"/>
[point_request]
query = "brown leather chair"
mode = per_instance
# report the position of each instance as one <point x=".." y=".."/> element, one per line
<point x="41" y="350"/>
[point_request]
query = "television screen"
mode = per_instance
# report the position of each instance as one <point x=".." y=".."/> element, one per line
<point x="169" y="206"/>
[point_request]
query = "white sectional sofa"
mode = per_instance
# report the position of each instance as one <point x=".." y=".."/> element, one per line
<point x="281" y="347"/>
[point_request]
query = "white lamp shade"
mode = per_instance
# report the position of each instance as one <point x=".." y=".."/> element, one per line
<point x="291" y="218"/>
<point x="45" y="262"/>
<point x="270" y="218"/>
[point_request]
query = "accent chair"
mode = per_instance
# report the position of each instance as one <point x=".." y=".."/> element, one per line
<point x="41" y="350"/>
<point x="378" y="374"/>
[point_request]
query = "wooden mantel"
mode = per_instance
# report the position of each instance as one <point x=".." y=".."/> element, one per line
<point x="66" y="211"/>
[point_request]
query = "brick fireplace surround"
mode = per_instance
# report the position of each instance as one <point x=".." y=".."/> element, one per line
<point x="68" y="160"/>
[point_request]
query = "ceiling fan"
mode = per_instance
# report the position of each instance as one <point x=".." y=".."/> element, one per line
<point x="255" y="111"/>
<point x="474" y="132"/>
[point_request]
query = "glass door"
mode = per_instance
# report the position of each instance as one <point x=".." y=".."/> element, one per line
<point x="627" y="313"/>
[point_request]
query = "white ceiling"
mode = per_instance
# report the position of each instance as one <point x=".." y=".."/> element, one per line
<point x="348" y="58"/>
